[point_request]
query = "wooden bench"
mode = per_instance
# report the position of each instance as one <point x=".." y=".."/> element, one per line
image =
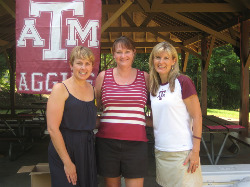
<point x="214" y="125"/>
<point x="16" y="130"/>
<point x="239" y="138"/>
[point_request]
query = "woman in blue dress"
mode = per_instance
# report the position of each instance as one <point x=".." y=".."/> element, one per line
<point x="71" y="118"/>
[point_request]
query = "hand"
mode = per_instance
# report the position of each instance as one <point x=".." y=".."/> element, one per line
<point x="70" y="171"/>
<point x="194" y="161"/>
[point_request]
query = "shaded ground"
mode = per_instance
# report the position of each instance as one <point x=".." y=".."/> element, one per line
<point x="38" y="154"/>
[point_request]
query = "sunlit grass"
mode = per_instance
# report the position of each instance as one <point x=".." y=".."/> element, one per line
<point x="223" y="113"/>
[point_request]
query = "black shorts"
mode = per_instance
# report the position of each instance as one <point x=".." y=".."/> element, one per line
<point x="121" y="157"/>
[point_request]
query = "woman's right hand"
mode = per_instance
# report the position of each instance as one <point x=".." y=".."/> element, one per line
<point x="70" y="171"/>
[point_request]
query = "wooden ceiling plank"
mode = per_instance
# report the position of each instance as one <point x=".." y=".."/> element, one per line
<point x="178" y="45"/>
<point x="196" y="7"/>
<point x="202" y="27"/>
<point x="145" y="5"/>
<point x="149" y="29"/>
<point x="116" y="15"/>
<point x="156" y="4"/>
<point x="8" y="9"/>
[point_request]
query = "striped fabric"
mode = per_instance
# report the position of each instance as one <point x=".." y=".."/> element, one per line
<point x="123" y="117"/>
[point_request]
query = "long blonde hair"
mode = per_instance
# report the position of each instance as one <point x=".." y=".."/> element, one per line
<point x="155" y="80"/>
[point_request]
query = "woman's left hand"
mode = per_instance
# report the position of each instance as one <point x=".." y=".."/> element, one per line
<point x="194" y="161"/>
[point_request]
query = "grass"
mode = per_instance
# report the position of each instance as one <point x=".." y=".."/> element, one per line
<point x="223" y="113"/>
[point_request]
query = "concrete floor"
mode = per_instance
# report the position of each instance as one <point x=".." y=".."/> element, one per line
<point x="38" y="154"/>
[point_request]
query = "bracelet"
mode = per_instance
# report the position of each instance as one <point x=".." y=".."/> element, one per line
<point x="196" y="137"/>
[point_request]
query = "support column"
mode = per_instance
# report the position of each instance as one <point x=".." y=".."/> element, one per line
<point x="10" y="58"/>
<point x="204" y="76"/>
<point x="244" y="82"/>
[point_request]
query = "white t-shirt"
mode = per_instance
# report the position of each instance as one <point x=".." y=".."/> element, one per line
<point x="171" y="120"/>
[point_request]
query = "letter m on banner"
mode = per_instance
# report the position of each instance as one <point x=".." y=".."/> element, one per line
<point x="46" y="32"/>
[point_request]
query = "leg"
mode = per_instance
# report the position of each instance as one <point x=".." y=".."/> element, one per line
<point x="113" y="182"/>
<point x="137" y="182"/>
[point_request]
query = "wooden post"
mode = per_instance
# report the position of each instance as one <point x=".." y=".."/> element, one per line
<point x="204" y="76"/>
<point x="10" y="58"/>
<point x="244" y="82"/>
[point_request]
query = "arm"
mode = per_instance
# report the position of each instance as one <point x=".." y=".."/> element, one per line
<point x="55" y="109"/>
<point x="149" y="119"/>
<point x="146" y="75"/>
<point x="193" y="106"/>
<point x="98" y="87"/>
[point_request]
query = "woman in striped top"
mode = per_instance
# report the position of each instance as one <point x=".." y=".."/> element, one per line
<point x="121" y="142"/>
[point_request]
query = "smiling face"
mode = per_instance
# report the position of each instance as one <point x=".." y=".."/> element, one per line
<point x="123" y="56"/>
<point x="82" y="68"/>
<point x="163" y="63"/>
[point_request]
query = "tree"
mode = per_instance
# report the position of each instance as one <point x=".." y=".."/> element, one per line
<point x="223" y="77"/>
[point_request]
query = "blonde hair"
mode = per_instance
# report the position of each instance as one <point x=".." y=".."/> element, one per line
<point x="155" y="80"/>
<point x="81" y="52"/>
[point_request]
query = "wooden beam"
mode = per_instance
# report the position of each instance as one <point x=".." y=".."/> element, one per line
<point x="129" y="21"/>
<point x="147" y="20"/>
<point x="113" y="7"/>
<point x="236" y="3"/>
<point x="9" y="45"/>
<point x="151" y="29"/>
<point x="116" y="15"/>
<point x="209" y="53"/>
<point x="177" y="45"/>
<point x="3" y="42"/>
<point x="196" y="7"/>
<point x="185" y="62"/>
<point x="192" y="40"/>
<point x="137" y="44"/>
<point x="244" y="81"/>
<point x="248" y="60"/>
<point x="233" y="33"/>
<point x="8" y="9"/>
<point x="202" y="27"/>
<point x="145" y="5"/>
<point x="7" y="30"/>
<point x="203" y="76"/>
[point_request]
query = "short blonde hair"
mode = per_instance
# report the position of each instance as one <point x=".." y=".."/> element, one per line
<point x="81" y="52"/>
<point x="155" y="80"/>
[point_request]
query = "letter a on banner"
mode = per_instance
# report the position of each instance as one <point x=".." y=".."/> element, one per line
<point x="46" y="32"/>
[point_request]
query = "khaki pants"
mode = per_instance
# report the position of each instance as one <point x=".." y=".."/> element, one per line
<point x="170" y="171"/>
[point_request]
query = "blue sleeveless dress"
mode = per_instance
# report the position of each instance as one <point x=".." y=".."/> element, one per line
<point x="78" y="122"/>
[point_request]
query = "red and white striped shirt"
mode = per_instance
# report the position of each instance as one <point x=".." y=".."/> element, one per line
<point x="123" y="116"/>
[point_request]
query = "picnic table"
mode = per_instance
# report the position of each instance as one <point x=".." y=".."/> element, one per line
<point x="16" y="129"/>
<point x="213" y="125"/>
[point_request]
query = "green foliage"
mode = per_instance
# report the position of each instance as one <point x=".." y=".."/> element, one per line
<point x="223" y="78"/>
<point x="4" y="73"/>
<point x="141" y="62"/>
<point x="107" y="62"/>
<point x="223" y="89"/>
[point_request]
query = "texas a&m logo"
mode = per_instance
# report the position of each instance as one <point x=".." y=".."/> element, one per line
<point x="46" y="31"/>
